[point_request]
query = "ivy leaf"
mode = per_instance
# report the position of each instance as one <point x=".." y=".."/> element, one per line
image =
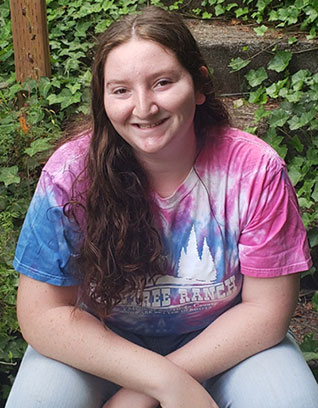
<point x="312" y="13"/>
<point x="261" y="113"/>
<point x="230" y="6"/>
<point x="280" y="61"/>
<point x="312" y="34"/>
<point x="238" y="63"/>
<point x="39" y="145"/>
<point x="306" y="188"/>
<point x="81" y="29"/>
<point x="260" y="31"/>
<point x="44" y="86"/>
<point x="312" y="156"/>
<point x="310" y="355"/>
<point x="289" y="15"/>
<point x="74" y="99"/>
<point x="74" y="87"/>
<point x="273" y="15"/>
<point x="251" y="130"/>
<point x="313" y="237"/>
<point x="219" y="10"/>
<point x="196" y="11"/>
<point x="256" y="77"/>
<point x="296" y="143"/>
<point x="314" y="195"/>
<point x="275" y="89"/>
<point x="206" y="15"/>
<point x="297" y="122"/>
<point x="14" y="89"/>
<point x="9" y="175"/>
<point x="292" y="40"/>
<point x="313" y="92"/>
<point x="272" y="91"/>
<point x="65" y="98"/>
<point x="241" y="12"/>
<point x="86" y="77"/>
<point x="274" y="140"/>
<point x="305" y="203"/>
<point x="298" y="79"/>
<point x="102" y="25"/>
<point x="294" y="96"/>
<point x="294" y="175"/>
<point x="262" y="4"/>
<point x="258" y="96"/>
<point x="294" y="123"/>
<point x="278" y="118"/>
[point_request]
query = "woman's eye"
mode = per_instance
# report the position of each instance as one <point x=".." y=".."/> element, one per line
<point x="119" y="91"/>
<point x="163" y="82"/>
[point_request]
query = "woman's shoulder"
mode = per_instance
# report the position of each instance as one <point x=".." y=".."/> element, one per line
<point x="233" y="138"/>
<point x="69" y="159"/>
<point x="234" y="148"/>
<point x="237" y="136"/>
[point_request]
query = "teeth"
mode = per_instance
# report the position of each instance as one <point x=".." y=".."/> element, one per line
<point x="151" y="125"/>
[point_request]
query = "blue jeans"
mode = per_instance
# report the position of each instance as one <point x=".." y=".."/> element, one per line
<point x="275" y="378"/>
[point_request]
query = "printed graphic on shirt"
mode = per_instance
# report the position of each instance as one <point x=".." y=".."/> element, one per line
<point x="194" y="290"/>
<point x="193" y="266"/>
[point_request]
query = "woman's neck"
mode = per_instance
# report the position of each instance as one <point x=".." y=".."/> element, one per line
<point x="167" y="172"/>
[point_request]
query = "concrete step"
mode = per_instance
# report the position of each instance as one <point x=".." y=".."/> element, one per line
<point x="222" y="41"/>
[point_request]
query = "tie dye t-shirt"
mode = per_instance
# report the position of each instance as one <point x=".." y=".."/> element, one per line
<point x="235" y="214"/>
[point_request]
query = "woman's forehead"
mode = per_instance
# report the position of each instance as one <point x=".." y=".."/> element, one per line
<point x="139" y="45"/>
<point x="139" y="56"/>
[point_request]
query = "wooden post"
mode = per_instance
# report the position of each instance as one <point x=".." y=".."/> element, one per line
<point x="30" y="39"/>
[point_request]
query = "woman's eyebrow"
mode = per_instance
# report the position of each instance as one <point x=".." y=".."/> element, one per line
<point x="162" y="72"/>
<point x="114" y="82"/>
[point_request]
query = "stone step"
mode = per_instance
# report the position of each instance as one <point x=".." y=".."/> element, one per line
<point x="242" y="116"/>
<point x="222" y="41"/>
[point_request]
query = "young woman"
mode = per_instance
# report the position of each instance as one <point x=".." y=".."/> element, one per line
<point x="161" y="253"/>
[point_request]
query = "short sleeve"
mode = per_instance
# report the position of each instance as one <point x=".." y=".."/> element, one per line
<point x="48" y="241"/>
<point x="273" y="241"/>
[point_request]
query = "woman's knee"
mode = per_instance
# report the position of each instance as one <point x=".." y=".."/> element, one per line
<point x="43" y="382"/>
<point x="278" y="377"/>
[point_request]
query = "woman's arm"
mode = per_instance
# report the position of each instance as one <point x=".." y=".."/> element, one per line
<point x="51" y="325"/>
<point x="259" y="322"/>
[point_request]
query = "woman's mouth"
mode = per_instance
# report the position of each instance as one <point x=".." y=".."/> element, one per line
<point x="150" y="125"/>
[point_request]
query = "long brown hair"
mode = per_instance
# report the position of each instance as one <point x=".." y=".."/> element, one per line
<point x="122" y="248"/>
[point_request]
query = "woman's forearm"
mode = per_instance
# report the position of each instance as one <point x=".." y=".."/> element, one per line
<point x="259" y="322"/>
<point x="233" y="337"/>
<point x="53" y="327"/>
<point x="80" y="340"/>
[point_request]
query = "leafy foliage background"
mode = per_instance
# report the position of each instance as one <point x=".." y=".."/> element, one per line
<point x="28" y="130"/>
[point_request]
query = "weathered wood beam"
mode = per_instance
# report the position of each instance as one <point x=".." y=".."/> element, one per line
<point x="30" y="39"/>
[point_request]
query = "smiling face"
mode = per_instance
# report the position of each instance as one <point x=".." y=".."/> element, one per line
<point x="150" y="99"/>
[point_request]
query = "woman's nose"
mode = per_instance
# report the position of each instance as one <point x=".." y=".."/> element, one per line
<point x="144" y="104"/>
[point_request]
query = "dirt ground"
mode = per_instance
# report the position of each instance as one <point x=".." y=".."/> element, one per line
<point x="305" y="319"/>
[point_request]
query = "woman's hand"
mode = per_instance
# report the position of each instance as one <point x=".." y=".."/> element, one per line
<point x="125" y="398"/>
<point x="185" y="392"/>
<point x="193" y="397"/>
<point x="191" y="400"/>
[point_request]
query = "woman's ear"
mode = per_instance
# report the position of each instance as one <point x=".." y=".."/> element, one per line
<point x="204" y="70"/>
<point x="200" y="97"/>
